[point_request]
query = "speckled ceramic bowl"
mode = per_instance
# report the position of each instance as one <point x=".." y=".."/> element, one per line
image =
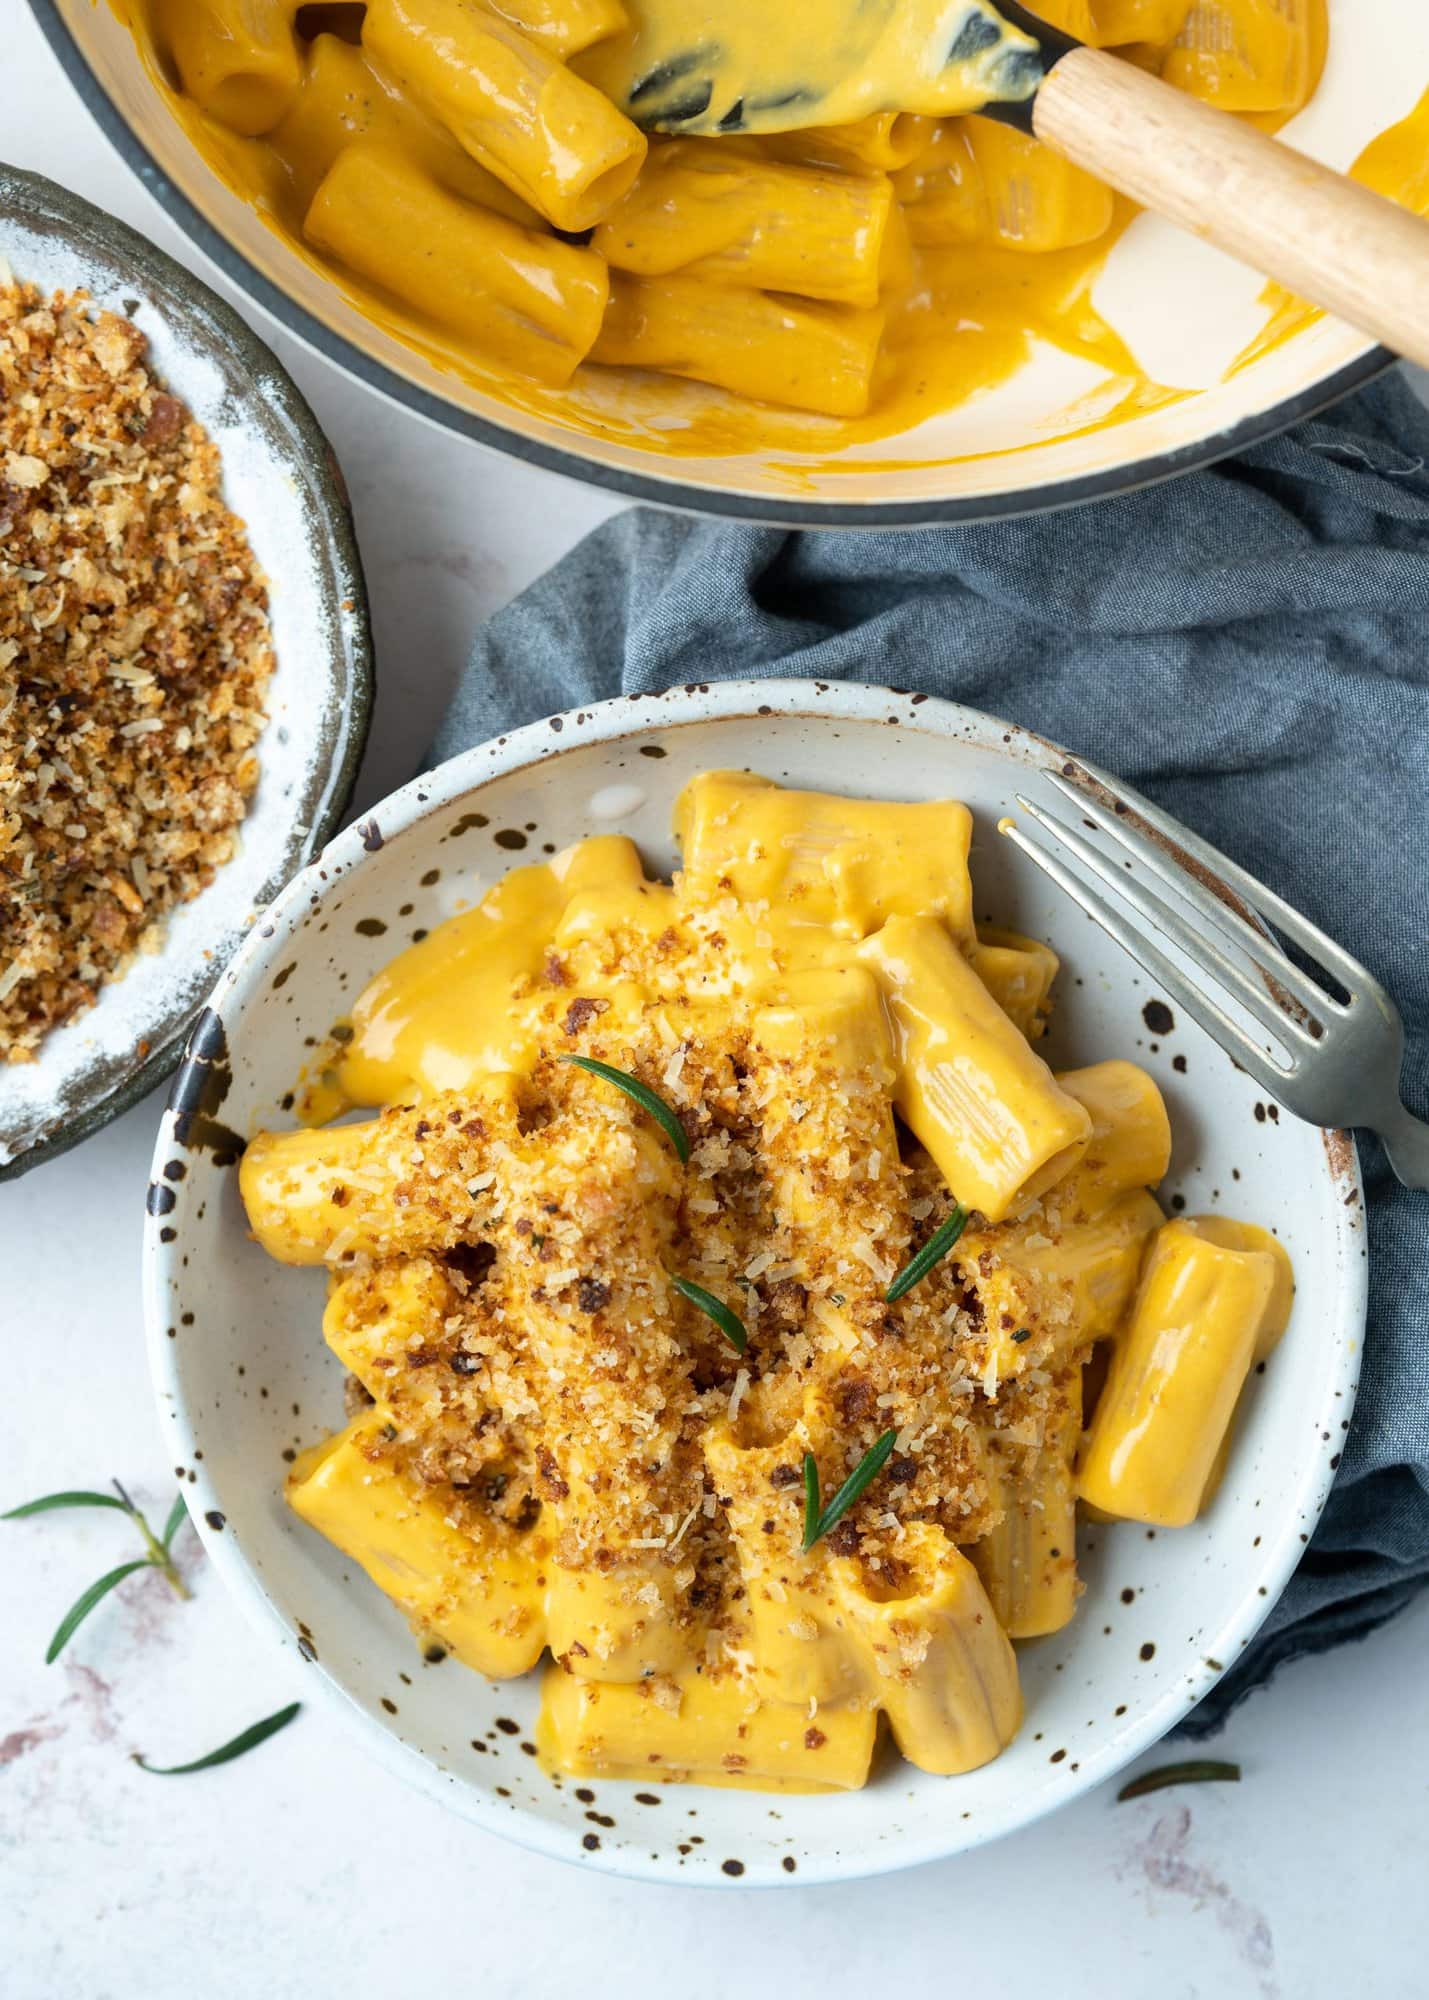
<point x="280" y="476"/>
<point x="1185" y="311"/>
<point x="243" y="1377"/>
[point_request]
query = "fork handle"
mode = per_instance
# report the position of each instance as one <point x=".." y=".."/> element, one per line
<point x="1326" y="237"/>
<point x="1406" y="1141"/>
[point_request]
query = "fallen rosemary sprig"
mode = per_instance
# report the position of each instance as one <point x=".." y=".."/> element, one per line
<point x="933" y="1252"/>
<point x="247" y="1740"/>
<point x="1199" y="1771"/>
<point x="729" y="1324"/>
<point x="50" y="1501"/>
<point x="159" y="1553"/>
<point x="641" y="1094"/>
<point x="817" y="1521"/>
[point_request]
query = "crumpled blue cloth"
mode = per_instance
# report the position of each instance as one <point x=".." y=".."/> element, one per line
<point x="1249" y="646"/>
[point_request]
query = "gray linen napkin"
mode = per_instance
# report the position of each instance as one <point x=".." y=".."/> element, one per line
<point x="1250" y="647"/>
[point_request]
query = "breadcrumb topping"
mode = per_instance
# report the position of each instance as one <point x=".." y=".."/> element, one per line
<point x="134" y="651"/>
<point x="501" y="1283"/>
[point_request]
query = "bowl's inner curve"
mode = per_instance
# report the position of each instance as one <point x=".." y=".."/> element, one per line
<point x="238" y="1345"/>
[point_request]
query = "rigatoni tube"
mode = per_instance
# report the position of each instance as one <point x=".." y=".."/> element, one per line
<point x="1028" y="1562"/>
<point x="720" y="209"/>
<point x="1177" y="1370"/>
<point x="479" y="1591"/>
<point x="994" y="1118"/>
<point x="1130" y="1142"/>
<point x="525" y="300"/>
<point x="939" y="1662"/>
<point x="346" y="96"/>
<point x="802" y="354"/>
<point x="237" y="59"/>
<point x="1018" y="972"/>
<point x="714" y="1729"/>
<point x="514" y="106"/>
<point x="847" y="863"/>
<point x="1036" y="200"/>
<point x="886" y="140"/>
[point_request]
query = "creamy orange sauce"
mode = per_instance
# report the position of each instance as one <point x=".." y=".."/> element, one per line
<point x="636" y="1268"/>
<point x="838" y="284"/>
<point x="1396" y="164"/>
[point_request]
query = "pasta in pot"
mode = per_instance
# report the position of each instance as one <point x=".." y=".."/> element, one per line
<point x="811" y="287"/>
<point x="682" y="1361"/>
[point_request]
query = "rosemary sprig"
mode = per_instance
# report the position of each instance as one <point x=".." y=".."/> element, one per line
<point x="158" y="1545"/>
<point x="158" y="1554"/>
<point x="933" y="1252"/>
<point x="86" y="1602"/>
<point x="248" y="1739"/>
<point x="641" y="1094"/>
<point x="174" y="1522"/>
<point x="729" y="1324"/>
<point x="49" y="1501"/>
<point x="817" y="1521"/>
<point x="1199" y="1771"/>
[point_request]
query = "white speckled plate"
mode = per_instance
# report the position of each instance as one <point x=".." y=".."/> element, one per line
<point x="281" y="478"/>
<point x="243" y="1377"/>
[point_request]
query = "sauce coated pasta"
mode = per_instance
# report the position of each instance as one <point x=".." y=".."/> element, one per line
<point x="549" y="194"/>
<point x="718" y="1287"/>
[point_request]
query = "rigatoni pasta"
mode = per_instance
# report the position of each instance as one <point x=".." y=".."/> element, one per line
<point x="522" y="295"/>
<point x="680" y="1359"/>
<point x="804" y="354"/>
<point x="721" y="212"/>
<point x="348" y="96"/>
<point x="477" y="1592"/>
<point x="238" y="59"/>
<point x="836" y="255"/>
<point x="510" y="103"/>
<point x="999" y="1126"/>
<point x="1205" y="1308"/>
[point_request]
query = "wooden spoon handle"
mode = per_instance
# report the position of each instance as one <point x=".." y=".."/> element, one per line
<point x="1324" y="236"/>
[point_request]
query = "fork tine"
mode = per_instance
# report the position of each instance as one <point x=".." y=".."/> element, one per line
<point x="1309" y="937"/>
<point x="1255" y="997"/>
<point x="1198" y="1004"/>
<point x="1258" y="945"/>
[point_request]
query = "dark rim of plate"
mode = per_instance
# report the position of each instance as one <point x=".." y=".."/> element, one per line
<point x="657" y="489"/>
<point x="71" y="217"/>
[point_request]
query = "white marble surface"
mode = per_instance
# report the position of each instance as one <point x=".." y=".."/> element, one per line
<point x="302" y="1870"/>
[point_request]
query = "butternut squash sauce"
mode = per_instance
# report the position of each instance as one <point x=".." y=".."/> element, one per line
<point x="556" y="1453"/>
<point x="467" y="173"/>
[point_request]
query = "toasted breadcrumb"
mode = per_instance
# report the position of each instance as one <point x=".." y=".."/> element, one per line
<point x="502" y="1257"/>
<point x="558" y="1377"/>
<point x="134" y="651"/>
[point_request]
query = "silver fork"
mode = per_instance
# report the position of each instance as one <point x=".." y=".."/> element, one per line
<point x="1341" y="1058"/>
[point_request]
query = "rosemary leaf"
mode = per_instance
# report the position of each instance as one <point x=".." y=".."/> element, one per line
<point x="729" y="1324"/>
<point x="933" y="1252"/>
<point x="811" y="1501"/>
<point x="83" y="1605"/>
<point x="1199" y="1771"/>
<point x="177" y="1515"/>
<point x="817" y="1524"/>
<point x="641" y="1094"/>
<point x="240" y="1745"/>
<point x="53" y="1500"/>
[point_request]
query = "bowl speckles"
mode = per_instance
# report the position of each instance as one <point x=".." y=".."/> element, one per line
<point x="281" y="479"/>
<point x="244" y="1379"/>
